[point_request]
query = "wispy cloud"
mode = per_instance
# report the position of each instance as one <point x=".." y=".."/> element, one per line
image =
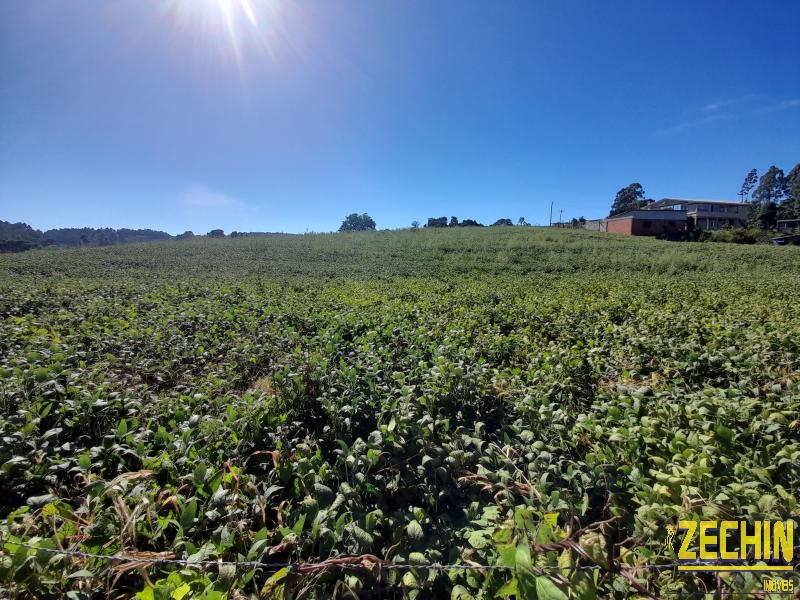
<point x="693" y="123"/>
<point x="730" y="103"/>
<point x="202" y="197"/>
<point x="726" y="109"/>
<point x="780" y="105"/>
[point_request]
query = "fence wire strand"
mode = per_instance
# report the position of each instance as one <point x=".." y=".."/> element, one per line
<point x="344" y="563"/>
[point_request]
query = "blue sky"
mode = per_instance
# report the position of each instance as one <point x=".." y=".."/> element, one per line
<point x="271" y="115"/>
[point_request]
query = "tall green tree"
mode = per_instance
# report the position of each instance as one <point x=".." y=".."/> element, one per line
<point x="357" y="222"/>
<point x="771" y="187"/>
<point x="764" y="215"/>
<point x="749" y="183"/>
<point x="628" y="198"/>
<point x="790" y="207"/>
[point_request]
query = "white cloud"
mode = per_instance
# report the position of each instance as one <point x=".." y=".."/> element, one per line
<point x="730" y="103"/>
<point x="781" y="105"/>
<point x="200" y="196"/>
<point x="726" y="109"/>
<point x="692" y="123"/>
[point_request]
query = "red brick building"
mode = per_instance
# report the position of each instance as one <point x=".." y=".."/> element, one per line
<point x="648" y="222"/>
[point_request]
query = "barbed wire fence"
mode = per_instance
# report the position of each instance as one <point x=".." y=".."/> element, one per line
<point x="371" y="564"/>
<point x="344" y="563"/>
<point x="365" y="563"/>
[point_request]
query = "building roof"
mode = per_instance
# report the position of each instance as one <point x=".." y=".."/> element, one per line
<point x="676" y="201"/>
<point x="652" y="215"/>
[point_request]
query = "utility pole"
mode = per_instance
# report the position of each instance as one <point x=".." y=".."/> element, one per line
<point x="551" y="214"/>
<point x="560" y="219"/>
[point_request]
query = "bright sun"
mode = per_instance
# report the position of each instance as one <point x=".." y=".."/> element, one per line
<point x="227" y="7"/>
<point x="233" y="26"/>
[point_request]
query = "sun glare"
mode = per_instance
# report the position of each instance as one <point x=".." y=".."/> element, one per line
<point x="233" y="26"/>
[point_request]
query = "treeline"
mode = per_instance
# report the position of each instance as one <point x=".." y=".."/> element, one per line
<point x="454" y="222"/>
<point x="17" y="237"/>
<point x="363" y="222"/>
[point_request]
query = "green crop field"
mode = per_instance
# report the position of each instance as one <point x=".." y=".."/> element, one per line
<point x="418" y="397"/>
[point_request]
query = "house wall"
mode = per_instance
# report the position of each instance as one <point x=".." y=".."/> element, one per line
<point x="634" y="226"/>
<point x="658" y="227"/>
<point x="620" y="226"/>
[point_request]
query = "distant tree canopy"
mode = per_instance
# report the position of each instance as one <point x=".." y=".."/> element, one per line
<point x="503" y="223"/>
<point x="85" y="236"/>
<point x="18" y="245"/>
<point x="441" y="222"/>
<point x="436" y="222"/>
<point x="790" y="208"/>
<point x="771" y="187"/>
<point x="764" y="215"/>
<point x="356" y="222"/>
<point x="776" y="197"/>
<point x="17" y="237"/>
<point x="628" y="198"/>
<point x="19" y="232"/>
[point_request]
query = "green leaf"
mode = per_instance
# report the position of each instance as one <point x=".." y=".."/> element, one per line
<point x="510" y="588"/>
<point x="182" y="590"/>
<point x="524" y="570"/>
<point x="410" y="579"/>
<point x="323" y="494"/>
<point x="298" y="527"/>
<point x="547" y="590"/>
<point x="146" y="594"/>
<point x="459" y="592"/>
<point x="724" y="433"/>
<point x="582" y="586"/>
<point x="199" y="474"/>
<point x="188" y="514"/>
<point x="478" y="539"/>
<point x="83" y="573"/>
<point x="414" y="531"/>
<point x="204" y="553"/>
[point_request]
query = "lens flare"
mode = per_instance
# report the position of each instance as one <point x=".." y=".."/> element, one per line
<point x="233" y="27"/>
